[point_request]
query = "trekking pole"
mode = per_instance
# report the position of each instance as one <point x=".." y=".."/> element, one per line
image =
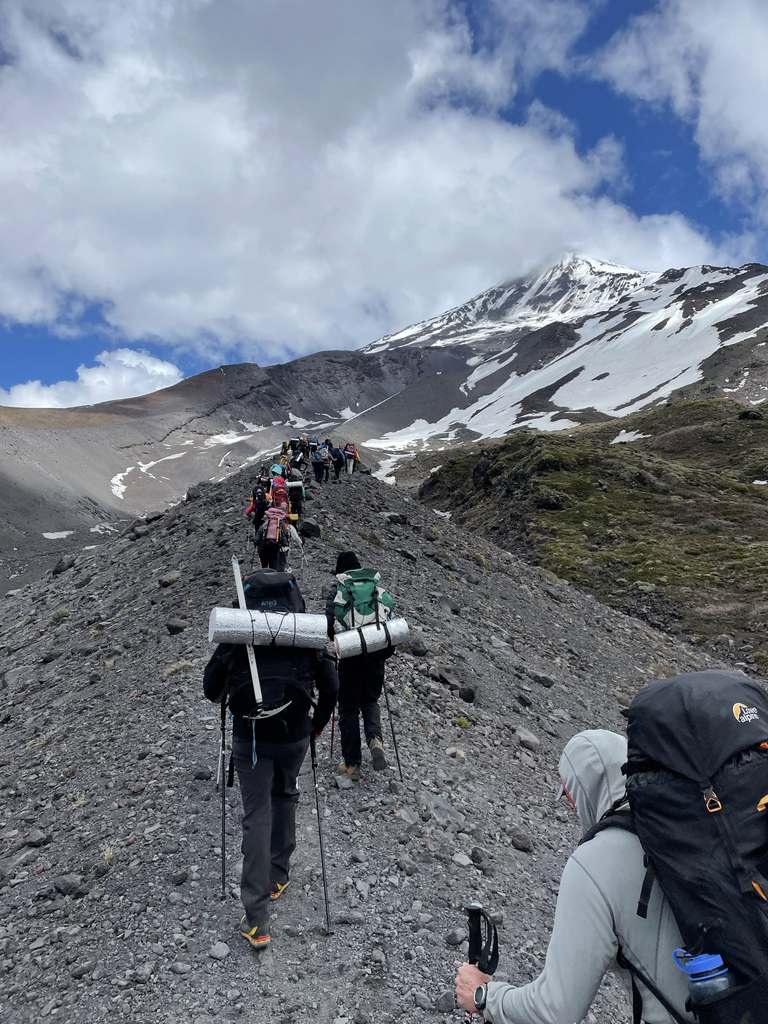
<point x="483" y="949"/>
<point x="313" y="750"/>
<point x="392" y="728"/>
<point x="222" y="782"/>
<point x="333" y="730"/>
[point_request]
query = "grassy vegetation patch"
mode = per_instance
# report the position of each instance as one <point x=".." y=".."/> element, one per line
<point x="670" y="527"/>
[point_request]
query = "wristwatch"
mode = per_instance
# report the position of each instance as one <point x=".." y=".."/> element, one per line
<point x="481" y="995"/>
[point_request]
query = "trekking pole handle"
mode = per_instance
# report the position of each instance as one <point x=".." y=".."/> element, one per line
<point x="483" y="951"/>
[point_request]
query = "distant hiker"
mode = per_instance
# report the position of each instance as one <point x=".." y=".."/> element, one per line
<point x="268" y="752"/>
<point x="326" y="454"/>
<point x="295" y="487"/>
<point x="356" y="599"/>
<point x="258" y="506"/>
<point x="274" y="539"/>
<point x="318" y="465"/>
<point x="351" y="455"/>
<point x="278" y="493"/>
<point x="339" y="460"/>
<point x="596" y="915"/>
<point x="264" y="477"/>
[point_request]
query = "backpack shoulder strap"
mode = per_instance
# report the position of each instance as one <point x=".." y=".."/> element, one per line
<point x="620" y="816"/>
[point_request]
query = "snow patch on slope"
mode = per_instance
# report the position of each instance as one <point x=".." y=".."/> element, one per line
<point x="118" y="483"/>
<point x="627" y="436"/>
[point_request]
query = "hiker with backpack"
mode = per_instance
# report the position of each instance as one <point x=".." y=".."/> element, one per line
<point x="318" y="465"/>
<point x="274" y="539"/>
<point x="356" y="599"/>
<point x="258" y="506"/>
<point x="338" y="459"/>
<point x="268" y="749"/>
<point x="595" y="915"/>
<point x="351" y="456"/>
<point x="278" y="493"/>
<point x="325" y="451"/>
<point x="668" y="885"/>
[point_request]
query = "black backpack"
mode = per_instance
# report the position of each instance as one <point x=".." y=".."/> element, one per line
<point x="697" y="796"/>
<point x="285" y="673"/>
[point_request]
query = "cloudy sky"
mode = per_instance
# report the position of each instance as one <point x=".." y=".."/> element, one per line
<point x="191" y="182"/>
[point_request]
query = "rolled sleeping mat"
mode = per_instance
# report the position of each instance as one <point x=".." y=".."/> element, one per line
<point x="286" y="629"/>
<point x="373" y="637"/>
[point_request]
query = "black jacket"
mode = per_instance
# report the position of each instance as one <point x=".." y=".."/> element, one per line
<point x="230" y="662"/>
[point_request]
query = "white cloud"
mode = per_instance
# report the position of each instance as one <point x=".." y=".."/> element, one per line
<point x="707" y="59"/>
<point x="121" y="373"/>
<point x="277" y="177"/>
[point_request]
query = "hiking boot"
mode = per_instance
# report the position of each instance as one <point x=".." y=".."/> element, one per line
<point x="376" y="747"/>
<point x="278" y="889"/>
<point x="257" y="936"/>
<point x="351" y="770"/>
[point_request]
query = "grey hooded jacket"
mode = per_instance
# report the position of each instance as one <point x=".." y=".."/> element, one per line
<point x="597" y="908"/>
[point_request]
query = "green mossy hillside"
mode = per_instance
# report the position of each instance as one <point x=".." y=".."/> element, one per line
<point x="670" y="526"/>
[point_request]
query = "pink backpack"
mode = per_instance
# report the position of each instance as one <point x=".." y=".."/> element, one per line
<point x="275" y="519"/>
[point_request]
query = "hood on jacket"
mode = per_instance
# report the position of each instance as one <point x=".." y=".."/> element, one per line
<point x="590" y="767"/>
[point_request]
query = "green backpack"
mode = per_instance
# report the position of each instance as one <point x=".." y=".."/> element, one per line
<point x="360" y="600"/>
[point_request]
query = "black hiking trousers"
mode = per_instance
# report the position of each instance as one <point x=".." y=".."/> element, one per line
<point x="272" y="556"/>
<point x="361" y="681"/>
<point x="318" y="469"/>
<point x="270" y="793"/>
<point x="337" y="468"/>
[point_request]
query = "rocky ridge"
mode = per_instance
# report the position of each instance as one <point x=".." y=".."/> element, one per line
<point x="109" y="820"/>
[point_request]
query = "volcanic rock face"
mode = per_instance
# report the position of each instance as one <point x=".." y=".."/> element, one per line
<point x="580" y="341"/>
<point x="109" y="868"/>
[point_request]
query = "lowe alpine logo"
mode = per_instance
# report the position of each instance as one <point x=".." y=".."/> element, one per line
<point x="744" y="714"/>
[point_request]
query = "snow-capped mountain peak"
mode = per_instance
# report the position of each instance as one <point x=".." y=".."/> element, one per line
<point x="571" y="289"/>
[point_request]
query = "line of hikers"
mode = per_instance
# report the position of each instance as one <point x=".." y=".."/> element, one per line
<point x="298" y="452"/>
<point x="669" y="885"/>
<point x="277" y="499"/>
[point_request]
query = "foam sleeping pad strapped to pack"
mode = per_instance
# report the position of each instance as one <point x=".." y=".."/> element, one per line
<point x="373" y="637"/>
<point x="285" y="629"/>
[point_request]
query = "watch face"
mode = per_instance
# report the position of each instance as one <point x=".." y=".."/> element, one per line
<point x="480" y="997"/>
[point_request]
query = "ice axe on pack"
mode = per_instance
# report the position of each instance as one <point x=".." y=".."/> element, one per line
<point x="483" y="950"/>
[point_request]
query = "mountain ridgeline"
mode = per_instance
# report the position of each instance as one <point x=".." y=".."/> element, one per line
<point x="581" y="341"/>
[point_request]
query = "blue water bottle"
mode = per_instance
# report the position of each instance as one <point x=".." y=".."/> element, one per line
<point x="708" y="977"/>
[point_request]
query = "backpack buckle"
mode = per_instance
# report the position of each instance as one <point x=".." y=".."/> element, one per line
<point x="712" y="802"/>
